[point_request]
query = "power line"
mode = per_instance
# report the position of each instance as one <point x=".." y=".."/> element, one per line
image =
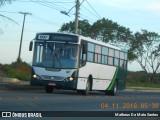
<point x="42" y="1"/>
<point x="86" y="19"/>
<point x="93" y="9"/>
<point x="43" y="20"/>
<point x="34" y="16"/>
<point x="47" y="4"/>
<point x="50" y="3"/>
<point x="9" y="12"/>
<point x="8" y="18"/>
<point x="53" y="5"/>
<point x="85" y="16"/>
<point x="90" y="11"/>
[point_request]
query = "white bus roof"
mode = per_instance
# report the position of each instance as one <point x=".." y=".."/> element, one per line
<point x="87" y="39"/>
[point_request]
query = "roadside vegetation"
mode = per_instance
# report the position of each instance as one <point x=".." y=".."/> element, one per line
<point x="20" y="70"/>
<point x="139" y="79"/>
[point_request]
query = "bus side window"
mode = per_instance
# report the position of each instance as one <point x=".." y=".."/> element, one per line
<point x="83" y="54"/>
<point x="84" y="49"/>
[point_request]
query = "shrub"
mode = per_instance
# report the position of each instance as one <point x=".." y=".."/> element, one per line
<point x="19" y="70"/>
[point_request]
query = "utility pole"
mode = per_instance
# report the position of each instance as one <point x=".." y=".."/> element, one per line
<point x="24" y="13"/>
<point x="76" y="16"/>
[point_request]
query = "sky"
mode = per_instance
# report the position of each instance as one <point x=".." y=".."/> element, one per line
<point x="46" y="17"/>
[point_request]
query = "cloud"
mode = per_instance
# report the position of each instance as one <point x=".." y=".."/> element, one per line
<point x="139" y="5"/>
<point x="122" y="4"/>
<point x="154" y="7"/>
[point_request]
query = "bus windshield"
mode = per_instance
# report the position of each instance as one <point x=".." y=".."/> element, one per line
<point x="55" y="55"/>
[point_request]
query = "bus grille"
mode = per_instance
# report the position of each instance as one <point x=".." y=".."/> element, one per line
<point x="53" y="78"/>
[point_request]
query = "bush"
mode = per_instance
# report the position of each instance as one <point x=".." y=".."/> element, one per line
<point x="139" y="79"/>
<point x="19" y="70"/>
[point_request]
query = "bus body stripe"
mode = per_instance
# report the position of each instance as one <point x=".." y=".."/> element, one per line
<point x="113" y="81"/>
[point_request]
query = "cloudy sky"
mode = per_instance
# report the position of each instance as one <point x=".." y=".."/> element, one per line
<point x="46" y="17"/>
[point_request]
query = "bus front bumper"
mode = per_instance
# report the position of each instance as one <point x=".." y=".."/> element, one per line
<point x="56" y="84"/>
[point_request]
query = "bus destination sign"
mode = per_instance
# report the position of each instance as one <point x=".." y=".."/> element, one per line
<point x="57" y="37"/>
<point x="43" y="37"/>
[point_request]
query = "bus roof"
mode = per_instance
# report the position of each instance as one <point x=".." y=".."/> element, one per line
<point x="87" y="39"/>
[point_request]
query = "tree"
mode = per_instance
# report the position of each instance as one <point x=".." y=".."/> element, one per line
<point x="109" y="31"/>
<point x="104" y="30"/>
<point x="83" y="29"/>
<point x="146" y="49"/>
<point x="143" y="47"/>
<point x="2" y="3"/>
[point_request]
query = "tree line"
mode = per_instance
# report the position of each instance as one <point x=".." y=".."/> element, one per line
<point x="143" y="46"/>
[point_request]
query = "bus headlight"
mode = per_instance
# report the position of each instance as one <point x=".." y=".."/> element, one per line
<point x="68" y="79"/>
<point x="36" y="76"/>
<point x="71" y="78"/>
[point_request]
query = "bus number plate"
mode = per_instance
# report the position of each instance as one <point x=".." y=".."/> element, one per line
<point x="51" y="84"/>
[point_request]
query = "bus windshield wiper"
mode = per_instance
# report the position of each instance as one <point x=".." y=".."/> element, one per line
<point x="55" y="56"/>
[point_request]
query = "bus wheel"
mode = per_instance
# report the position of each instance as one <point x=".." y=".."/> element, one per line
<point x="49" y="89"/>
<point x="86" y="92"/>
<point x="113" y="91"/>
<point x="79" y="91"/>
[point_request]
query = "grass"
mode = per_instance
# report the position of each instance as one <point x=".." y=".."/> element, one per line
<point x="19" y="70"/>
<point x="139" y="79"/>
<point x="140" y="84"/>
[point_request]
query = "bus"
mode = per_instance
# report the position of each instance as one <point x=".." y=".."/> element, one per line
<point x="74" y="62"/>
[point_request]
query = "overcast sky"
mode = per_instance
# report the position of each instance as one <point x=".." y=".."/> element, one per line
<point x="46" y="17"/>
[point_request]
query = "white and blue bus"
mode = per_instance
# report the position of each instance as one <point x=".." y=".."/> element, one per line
<point x="74" y="62"/>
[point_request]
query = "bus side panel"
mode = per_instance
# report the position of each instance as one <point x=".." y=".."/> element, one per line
<point x="102" y="76"/>
<point x="81" y="84"/>
<point x="122" y="78"/>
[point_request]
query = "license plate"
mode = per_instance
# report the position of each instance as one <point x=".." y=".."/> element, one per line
<point x="51" y="84"/>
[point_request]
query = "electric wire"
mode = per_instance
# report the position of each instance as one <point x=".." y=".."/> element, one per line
<point x="53" y="5"/>
<point x="48" y="5"/>
<point x="90" y="12"/>
<point x="42" y="1"/>
<point x="93" y="9"/>
<point x="9" y="12"/>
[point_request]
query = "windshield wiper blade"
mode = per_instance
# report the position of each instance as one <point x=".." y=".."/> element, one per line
<point x="55" y="56"/>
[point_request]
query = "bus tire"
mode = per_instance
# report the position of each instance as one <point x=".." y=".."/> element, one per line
<point x="49" y="89"/>
<point x="79" y="91"/>
<point x="86" y="91"/>
<point x="113" y="91"/>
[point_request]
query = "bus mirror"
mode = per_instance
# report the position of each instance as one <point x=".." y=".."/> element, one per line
<point x="31" y="46"/>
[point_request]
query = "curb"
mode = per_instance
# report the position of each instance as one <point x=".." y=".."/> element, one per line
<point x="15" y="84"/>
<point x="12" y="86"/>
<point x="142" y="89"/>
<point x="26" y="86"/>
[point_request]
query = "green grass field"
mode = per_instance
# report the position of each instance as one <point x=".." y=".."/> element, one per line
<point x="133" y="84"/>
<point x="139" y="79"/>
